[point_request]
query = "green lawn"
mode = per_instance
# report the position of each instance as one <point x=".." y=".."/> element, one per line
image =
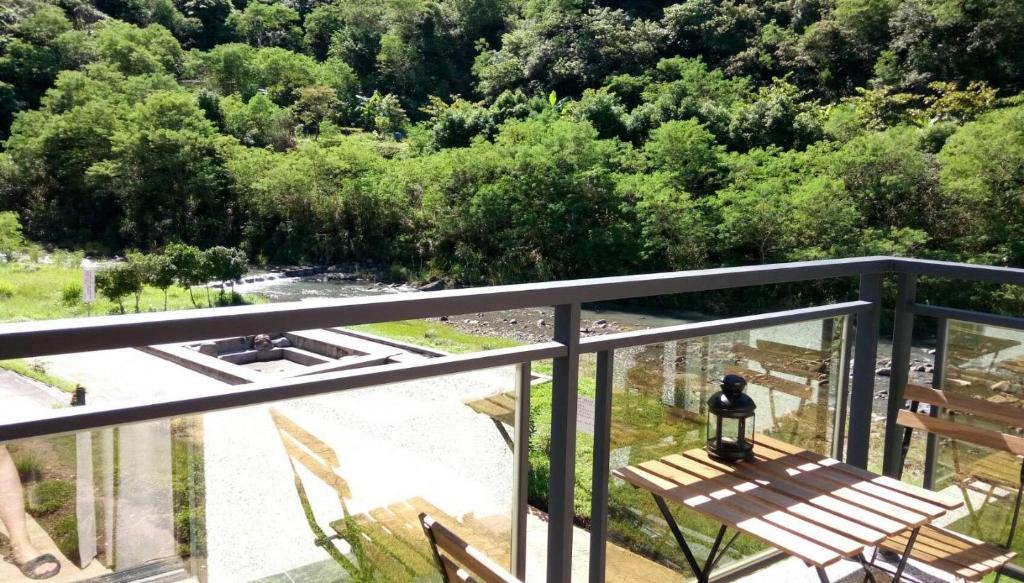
<point x="435" y="335"/>
<point x="36" y="290"/>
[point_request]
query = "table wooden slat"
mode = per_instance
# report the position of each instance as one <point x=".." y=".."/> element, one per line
<point x="834" y="474"/>
<point x="797" y="546"/>
<point x="781" y="483"/>
<point x="803" y="509"/>
<point x="772" y="462"/>
<point x="753" y="508"/>
<point x="812" y="507"/>
<point x="913" y="491"/>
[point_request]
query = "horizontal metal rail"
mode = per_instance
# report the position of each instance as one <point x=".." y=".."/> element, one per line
<point x="967" y="271"/>
<point x="698" y="329"/>
<point x="78" y="419"/>
<point x="25" y="339"/>
<point x="968" y="316"/>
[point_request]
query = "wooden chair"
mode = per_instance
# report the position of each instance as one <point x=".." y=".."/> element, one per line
<point x="965" y="557"/>
<point x="459" y="562"/>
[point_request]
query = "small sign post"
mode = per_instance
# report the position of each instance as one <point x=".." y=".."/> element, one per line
<point x="88" y="283"/>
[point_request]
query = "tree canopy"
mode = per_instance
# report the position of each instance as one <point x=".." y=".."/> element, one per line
<point x="500" y="140"/>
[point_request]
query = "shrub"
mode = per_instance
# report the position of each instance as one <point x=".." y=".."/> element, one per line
<point x="6" y="290"/>
<point x="50" y="496"/>
<point x="71" y="295"/>
<point x="29" y="468"/>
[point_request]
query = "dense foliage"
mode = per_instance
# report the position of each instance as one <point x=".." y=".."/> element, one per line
<point x="514" y="140"/>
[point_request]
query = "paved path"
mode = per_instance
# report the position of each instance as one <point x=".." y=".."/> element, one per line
<point x="24" y="398"/>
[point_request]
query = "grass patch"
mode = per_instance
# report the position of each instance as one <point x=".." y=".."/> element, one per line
<point x="40" y="291"/>
<point x="50" y="496"/>
<point x="436" y="335"/>
<point x="38" y="372"/>
<point x="441" y="336"/>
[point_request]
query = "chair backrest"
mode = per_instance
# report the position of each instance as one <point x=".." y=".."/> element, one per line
<point x="995" y="412"/>
<point x="457" y="560"/>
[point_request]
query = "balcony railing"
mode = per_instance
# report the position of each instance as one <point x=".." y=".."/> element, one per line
<point x="846" y="397"/>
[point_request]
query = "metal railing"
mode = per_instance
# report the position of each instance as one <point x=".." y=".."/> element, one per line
<point x="28" y="339"/>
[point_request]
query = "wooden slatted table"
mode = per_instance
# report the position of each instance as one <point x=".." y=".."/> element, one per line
<point x="807" y="505"/>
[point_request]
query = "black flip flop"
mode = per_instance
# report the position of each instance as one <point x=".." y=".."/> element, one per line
<point x="28" y="568"/>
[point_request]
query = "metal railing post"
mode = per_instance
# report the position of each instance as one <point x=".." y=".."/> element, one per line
<point x="931" y="449"/>
<point x="602" y="455"/>
<point x="863" y="385"/>
<point x="902" y="335"/>
<point x="521" y="469"/>
<point x="562" y="481"/>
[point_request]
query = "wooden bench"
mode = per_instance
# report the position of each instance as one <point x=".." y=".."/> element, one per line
<point x="960" y="555"/>
<point x="457" y="560"/>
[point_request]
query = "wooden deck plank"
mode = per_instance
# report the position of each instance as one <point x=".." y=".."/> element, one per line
<point x="797" y="546"/>
<point x="827" y="502"/>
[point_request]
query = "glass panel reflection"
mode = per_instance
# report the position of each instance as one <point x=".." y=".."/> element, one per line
<point x="659" y="407"/>
<point x="320" y="489"/>
<point x="985" y="363"/>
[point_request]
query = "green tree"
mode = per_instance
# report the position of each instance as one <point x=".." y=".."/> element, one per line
<point x="138" y="51"/>
<point x="167" y="170"/>
<point x="140" y="264"/>
<point x="981" y="173"/>
<point x="11" y="238"/>
<point x="673" y="231"/>
<point x="31" y="57"/>
<point x="267" y="23"/>
<point x="259" y="123"/>
<point x="686" y="151"/>
<point x="226" y="264"/>
<point x="314" y="105"/>
<point x="188" y="265"/>
<point x="159" y="272"/>
<point x="118" y="282"/>
<point x="383" y="114"/>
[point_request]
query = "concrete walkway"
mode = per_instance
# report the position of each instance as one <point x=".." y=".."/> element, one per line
<point x="25" y="398"/>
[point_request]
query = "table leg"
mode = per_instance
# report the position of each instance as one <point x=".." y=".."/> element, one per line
<point x="677" y="534"/>
<point x="706" y="572"/>
<point x="822" y="576"/>
<point x="703" y="573"/>
<point x="906" y="555"/>
<point x="866" y="565"/>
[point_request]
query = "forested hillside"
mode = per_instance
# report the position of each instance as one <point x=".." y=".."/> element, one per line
<point x="513" y="140"/>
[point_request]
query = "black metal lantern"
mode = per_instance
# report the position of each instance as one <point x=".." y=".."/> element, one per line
<point x="731" y="411"/>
